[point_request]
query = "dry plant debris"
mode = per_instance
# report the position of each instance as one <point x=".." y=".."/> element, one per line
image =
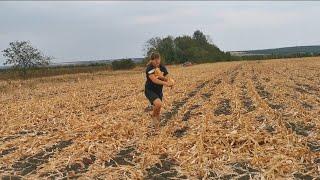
<point x="235" y="120"/>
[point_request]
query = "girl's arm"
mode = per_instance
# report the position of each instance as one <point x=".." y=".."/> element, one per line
<point x="164" y="78"/>
<point x="158" y="81"/>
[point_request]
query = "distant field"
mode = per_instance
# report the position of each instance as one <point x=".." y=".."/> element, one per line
<point x="10" y="74"/>
<point x="221" y="121"/>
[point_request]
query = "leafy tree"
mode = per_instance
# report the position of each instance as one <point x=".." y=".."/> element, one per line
<point x="152" y="45"/>
<point x="200" y="38"/>
<point x="21" y="55"/>
<point x="198" y="48"/>
<point x="166" y="48"/>
<point x="184" y="46"/>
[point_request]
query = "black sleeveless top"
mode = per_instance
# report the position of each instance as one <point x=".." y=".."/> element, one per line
<point x="149" y="84"/>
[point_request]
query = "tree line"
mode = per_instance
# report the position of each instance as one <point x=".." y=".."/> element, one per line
<point x="25" y="59"/>
<point x="197" y="48"/>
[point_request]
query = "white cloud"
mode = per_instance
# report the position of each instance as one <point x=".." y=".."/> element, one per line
<point x="166" y="17"/>
<point x="256" y="18"/>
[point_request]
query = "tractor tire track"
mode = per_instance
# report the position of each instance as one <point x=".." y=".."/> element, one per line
<point x="177" y="105"/>
<point x="7" y="151"/>
<point x="16" y="136"/>
<point x="266" y="95"/>
<point x="241" y="171"/>
<point x="29" y="164"/>
<point x="164" y="170"/>
<point x="22" y="134"/>
<point x="246" y="100"/>
<point x="299" y="128"/>
<point x="189" y="113"/>
<point x="71" y="171"/>
<point x="302" y="88"/>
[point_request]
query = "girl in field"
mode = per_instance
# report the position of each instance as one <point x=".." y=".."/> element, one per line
<point x="157" y="77"/>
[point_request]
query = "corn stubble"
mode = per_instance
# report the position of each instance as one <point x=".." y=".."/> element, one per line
<point x="248" y="120"/>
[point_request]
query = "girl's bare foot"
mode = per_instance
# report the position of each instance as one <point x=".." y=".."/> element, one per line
<point x="156" y="122"/>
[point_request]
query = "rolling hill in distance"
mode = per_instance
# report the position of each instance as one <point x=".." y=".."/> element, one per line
<point x="280" y="51"/>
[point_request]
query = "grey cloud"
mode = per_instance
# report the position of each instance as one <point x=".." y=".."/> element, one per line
<point x="95" y="30"/>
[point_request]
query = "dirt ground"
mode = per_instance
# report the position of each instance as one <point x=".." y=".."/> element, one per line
<point x="235" y="120"/>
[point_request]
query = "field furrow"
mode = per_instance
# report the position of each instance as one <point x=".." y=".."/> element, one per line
<point x="234" y="120"/>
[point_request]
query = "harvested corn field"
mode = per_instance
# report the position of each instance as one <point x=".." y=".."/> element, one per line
<point x="237" y="120"/>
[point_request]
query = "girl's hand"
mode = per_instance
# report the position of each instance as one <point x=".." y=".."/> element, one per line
<point x="170" y="83"/>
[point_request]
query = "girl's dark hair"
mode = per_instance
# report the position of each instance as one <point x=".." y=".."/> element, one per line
<point x="154" y="56"/>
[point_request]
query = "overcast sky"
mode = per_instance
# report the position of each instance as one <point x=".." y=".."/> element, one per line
<point x="103" y="30"/>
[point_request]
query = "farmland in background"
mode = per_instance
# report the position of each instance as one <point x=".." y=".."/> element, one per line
<point x="245" y="119"/>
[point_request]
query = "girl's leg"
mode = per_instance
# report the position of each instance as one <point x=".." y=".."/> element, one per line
<point x="157" y="104"/>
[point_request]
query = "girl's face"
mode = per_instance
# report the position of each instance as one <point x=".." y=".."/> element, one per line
<point x="156" y="62"/>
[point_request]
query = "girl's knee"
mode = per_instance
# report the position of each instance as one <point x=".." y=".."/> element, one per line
<point x="157" y="104"/>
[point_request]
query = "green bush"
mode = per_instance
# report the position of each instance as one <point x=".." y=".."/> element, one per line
<point x="123" y="64"/>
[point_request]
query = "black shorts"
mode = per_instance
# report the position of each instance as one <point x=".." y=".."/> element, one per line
<point x="151" y="95"/>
